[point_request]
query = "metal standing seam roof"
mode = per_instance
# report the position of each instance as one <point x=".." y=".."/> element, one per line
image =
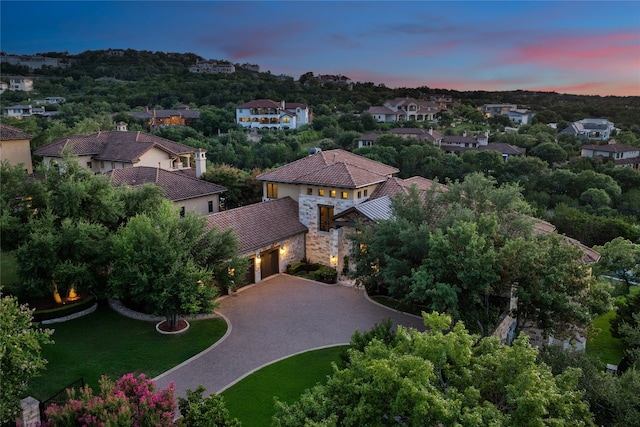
<point x="261" y="224"/>
<point x="176" y="186"/>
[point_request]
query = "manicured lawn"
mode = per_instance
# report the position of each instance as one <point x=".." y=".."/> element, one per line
<point x="105" y="342"/>
<point x="8" y="270"/>
<point x="252" y="399"/>
<point x="601" y="344"/>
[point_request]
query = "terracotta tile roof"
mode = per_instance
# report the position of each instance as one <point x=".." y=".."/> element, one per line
<point x="396" y="185"/>
<point x="370" y="136"/>
<point x="176" y="186"/>
<point x="502" y="147"/>
<point x="9" y="133"/>
<point x="260" y="103"/>
<point x="115" y="146"/>
<point x="380" y="110"/>
<point x="408" y="131"/>
<point x="589" y="256"/>
<point x="333" y="168"/>
<point x="261" y="224"/>
<point x="458" y="139"/>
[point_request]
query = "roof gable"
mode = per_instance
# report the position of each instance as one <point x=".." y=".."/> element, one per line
<point x="176" y="186"/>
<point x="9" y="133"/>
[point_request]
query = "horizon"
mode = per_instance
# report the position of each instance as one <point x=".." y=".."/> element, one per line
<point x="570" y="47"/>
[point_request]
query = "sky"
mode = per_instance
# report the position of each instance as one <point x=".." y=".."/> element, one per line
<point x="578" y="47"/>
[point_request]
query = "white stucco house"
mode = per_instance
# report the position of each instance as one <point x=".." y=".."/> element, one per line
<point x="622" y="155"/>
<point x="268" y="114"/>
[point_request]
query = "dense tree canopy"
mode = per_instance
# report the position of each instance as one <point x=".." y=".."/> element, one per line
<point x="443" y="376"/>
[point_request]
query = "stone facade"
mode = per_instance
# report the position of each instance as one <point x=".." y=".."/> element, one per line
<point x="291" y="250"/>
<point x="322" y="246"/>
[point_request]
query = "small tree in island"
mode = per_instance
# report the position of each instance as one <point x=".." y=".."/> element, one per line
<point x="171" y="265"/>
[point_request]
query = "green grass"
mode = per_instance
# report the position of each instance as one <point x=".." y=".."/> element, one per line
<point x="601" y="344"/>
<point x="8" y="270"/>
<point x="105" y="342"/>
<point x="252" y="399"/>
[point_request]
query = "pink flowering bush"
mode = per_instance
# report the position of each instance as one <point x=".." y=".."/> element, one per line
<point x="130" y="401"/>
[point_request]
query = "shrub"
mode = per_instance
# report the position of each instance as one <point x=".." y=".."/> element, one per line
<point x="326" y="274"/>
<point x="131" y="401"/>
<point x="66" y="310"/>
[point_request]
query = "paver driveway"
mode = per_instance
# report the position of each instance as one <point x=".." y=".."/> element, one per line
<point x="274" y="319"/>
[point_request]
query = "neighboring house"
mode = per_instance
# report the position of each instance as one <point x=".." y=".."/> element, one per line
<point x="406" y="109"/>
<point x="159" y="118"/>
<point x="432" y="136"/>
<point x="212" y="66"/>
<point x="15" y="147"/>
<point x="325" y="184"/>
<point x="622" y="155"/>
<point x="269" y="234"/>
<point x="590" y="129"/>
<point x="104" y="151"/>
<point x="336" y="79"/>
<point x="189" y="194"/>
<point x="515" y="114"/>
<point x="506" y="150"/>
<point x="21" y="111"/>
<point x="268" y="114"/>
<point x="20" y="83"/>
<point x="3" y="86"/>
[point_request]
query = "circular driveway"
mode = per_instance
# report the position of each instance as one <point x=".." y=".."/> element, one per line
<point x="275" y="319"/>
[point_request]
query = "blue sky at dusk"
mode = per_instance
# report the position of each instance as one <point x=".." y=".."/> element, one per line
<point x="590" y="47"/>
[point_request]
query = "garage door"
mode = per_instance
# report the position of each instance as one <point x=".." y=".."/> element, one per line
<point x="250" y="275"/>
<point x="269" y="264"/>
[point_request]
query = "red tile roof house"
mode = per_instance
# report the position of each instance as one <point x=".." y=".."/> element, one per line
<point x="269" y="233"/>
<point x="188" y="194"/>
<point x="406" y="109"/>
<point x="325" y="184"/>
<point x="15" y="147"/>
<point x="104" y="151"/>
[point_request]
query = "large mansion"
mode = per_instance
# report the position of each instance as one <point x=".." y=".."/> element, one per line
<point x="268" y="114"/>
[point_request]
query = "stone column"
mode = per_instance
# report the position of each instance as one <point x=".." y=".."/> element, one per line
<point x="30" y="415"/>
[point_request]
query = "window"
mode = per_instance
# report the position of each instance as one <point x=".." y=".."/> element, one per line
<point x="309" y="191"/>
<point x="210" y="203"/>
<point x="333" y="193"/>
<point x="359" y="194"/>
<point x="272" y="190"/>
<point x="345" y="194"/>
<point x="89" y="165"/>
<point x="113" y="165"/>
<point x="182" y="211"/>
<point x="366" y="192"/>
<point x="325" y="220"/>
<point x="101" y="165"/>
<point x="320" y="192"/>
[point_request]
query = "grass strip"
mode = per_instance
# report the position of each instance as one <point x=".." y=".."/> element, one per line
<point x="252" y="399"/>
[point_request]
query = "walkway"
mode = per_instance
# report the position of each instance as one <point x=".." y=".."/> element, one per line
<point x="274" y="319"/>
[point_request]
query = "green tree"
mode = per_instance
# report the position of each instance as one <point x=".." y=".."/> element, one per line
<point x="550" y="152"/>
<point x="443" y="376"/>
<point x="242" y="188"/>
<point x="172" y="266"/>
<point x="20" y="354"/>
<point x="198" y="411"/>
<point x="620" y="258"/>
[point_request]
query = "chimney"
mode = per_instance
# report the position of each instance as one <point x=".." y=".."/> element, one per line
<point x="282" y="104"/>
<point x="464" y="133"/>
<point x="201" y="162"/>
<point x="121" y="127"/>
<point x="431" y="131"/>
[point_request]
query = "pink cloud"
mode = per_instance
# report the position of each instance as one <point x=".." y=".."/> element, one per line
<point x="574" y="53"/>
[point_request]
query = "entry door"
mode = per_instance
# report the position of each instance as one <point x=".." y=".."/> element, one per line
<point x="269" y="264"/>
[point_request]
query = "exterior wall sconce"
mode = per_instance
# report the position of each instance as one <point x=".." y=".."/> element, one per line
<point x="283" y="250"/>
<point x="258" y="260"/>
<point x="333" y="260"/>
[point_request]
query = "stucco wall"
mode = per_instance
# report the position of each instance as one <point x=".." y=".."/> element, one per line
<point x="16" y="152"/>
<point x="200" y="204"/>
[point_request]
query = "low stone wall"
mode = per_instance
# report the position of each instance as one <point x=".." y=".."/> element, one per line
<point x="127" y="312"/>
<point x="89" y="310"/>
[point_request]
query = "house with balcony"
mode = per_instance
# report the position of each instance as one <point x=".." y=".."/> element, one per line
<point x="590" y="129"/>
<point x="515" y="114"/>
<point x="102" y="152"/>
<point x="22" y="111"/>
<point x="268" y="114"/>
<point x="621" y="154"/>
<point x="15" y="147"/>
<point x="213" y="66"/>
<point x="407" y="109"/>
<point x="421" y="135"/>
